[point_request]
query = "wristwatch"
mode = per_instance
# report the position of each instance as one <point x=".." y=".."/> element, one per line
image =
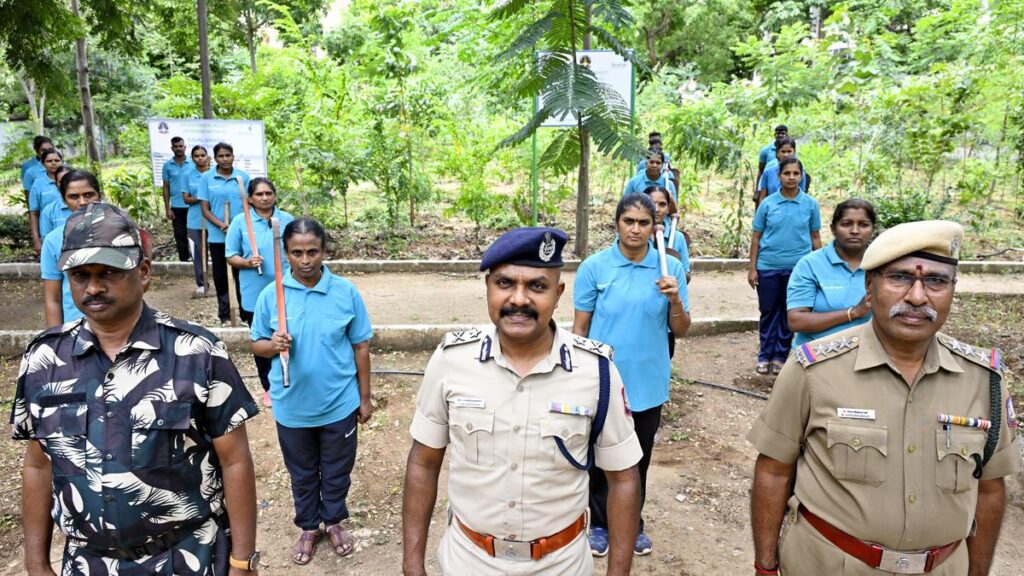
<point x="249" y="565"/>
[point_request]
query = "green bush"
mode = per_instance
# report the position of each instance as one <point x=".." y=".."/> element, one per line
<point x="131" y="189"/>
<point x="907" y="206"/>
<point x="14" y="231"/>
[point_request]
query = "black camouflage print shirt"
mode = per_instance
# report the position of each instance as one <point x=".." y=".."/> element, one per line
<point x="130" y="440"/>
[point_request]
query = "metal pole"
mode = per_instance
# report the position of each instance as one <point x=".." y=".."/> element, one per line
<point x="534" y="184"/>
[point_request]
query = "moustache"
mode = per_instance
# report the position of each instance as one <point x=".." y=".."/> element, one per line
<point x="96" y="300"/>
<point x="519" y="310"/>
<point x="905" y="309"/>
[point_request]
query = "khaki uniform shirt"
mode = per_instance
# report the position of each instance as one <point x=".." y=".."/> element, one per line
<point x="507" y="477"/>
<point x="872" y="458"/>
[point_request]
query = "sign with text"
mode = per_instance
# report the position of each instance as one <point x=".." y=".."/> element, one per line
<point x="610" y="69"/>
<point x="245" y="136"/>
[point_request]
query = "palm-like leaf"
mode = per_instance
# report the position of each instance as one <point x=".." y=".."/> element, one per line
<point x="563" y="154"/>
<point x="528" y="39"/>
<point x="507" y="8"/>
<point x="613" y="12"/>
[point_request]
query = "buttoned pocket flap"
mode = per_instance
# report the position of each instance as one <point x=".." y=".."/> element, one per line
<point x="171" y="415"/>
<point x="564" y="426"/>
<point x="858" y="437"/>
<point x="961" y="443"/>
<point x="472" y="420"/>
<point x="63" y="421"/>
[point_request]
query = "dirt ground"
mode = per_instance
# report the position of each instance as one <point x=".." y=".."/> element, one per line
<point x="698" y="488"/>
<point x="445" y="298"/>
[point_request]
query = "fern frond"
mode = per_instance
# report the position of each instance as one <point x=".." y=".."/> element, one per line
<point x="507" y="8"/>
<point x="563" y="154"/>
<point x="529" y="38"/>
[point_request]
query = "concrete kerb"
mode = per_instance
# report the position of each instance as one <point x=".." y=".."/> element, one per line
<point x="404" y="337"/>
<point x="182" y="269"/>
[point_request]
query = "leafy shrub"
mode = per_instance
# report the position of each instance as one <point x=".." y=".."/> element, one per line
<point x="14" y="230"/>
<point x="907" y="206"/>
<point x="130" y="188"/>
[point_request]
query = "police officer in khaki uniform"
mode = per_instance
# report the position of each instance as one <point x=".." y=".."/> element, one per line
<point x="899" y="436"/>
<point x="519" y="402"/>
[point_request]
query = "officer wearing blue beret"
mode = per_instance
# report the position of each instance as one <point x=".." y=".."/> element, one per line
<point x="528" y="408"/>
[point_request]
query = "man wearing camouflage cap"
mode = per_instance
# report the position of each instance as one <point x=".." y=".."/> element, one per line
<point x="528" y="408"/>
<point x="899" y="436"/>
<point x="135" y="421"/>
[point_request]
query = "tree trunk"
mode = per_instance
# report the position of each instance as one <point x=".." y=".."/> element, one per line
<point x="250" y="37"/>
<point x="82" y="67"/>
<point x="583" y="180"/>
<point x="204" y="58"/>
<point x="36" y="102"/>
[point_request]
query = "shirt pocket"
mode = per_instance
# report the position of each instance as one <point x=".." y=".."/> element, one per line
<point x="62" y="432"/>
<point x="858" y="452"/>
<point x="954" y="473"/>
<point x="574" y="432"/>
<point x="473" y="435"/>
<point x="160" y="440"/>
<point x="335" y="328"/>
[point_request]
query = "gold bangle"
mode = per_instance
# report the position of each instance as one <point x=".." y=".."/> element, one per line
<point x="849" y="314"/>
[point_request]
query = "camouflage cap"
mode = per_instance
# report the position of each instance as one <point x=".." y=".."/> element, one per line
<point x="101" y="234"/>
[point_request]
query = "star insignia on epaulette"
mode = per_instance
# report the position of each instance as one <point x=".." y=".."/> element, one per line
<point x="820" y="349"/>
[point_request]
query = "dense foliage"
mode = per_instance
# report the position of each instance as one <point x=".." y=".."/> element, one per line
<point x="917" y="104"/>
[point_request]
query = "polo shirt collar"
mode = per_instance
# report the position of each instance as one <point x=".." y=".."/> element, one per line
<point x="619" y="259"/>
<point x="322" y="286"/>
<point x="871" y="353"/>
<point x="145" y="335"/>
<point x="561" y="354"/>
<point x="256" y="215"/>
<point x="232" y="176"/>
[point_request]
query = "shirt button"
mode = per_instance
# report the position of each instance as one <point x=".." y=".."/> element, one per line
<point x="110" y="413"/>
<point x="108" y="498"/>
<point x="855" y="443"/>
<point x="108" y="457"/>
<point x="514" y="466"/>
<point x="469" y="426"/>
<point x="911" y="399"/>
<point x="511" y="537"/>
<point x="515" y="428"/>
<point x="911" y="448"/>
<point x="963" y="450"/>
<point x="912" y="499"/>
<point x="512" y="504"/>
<point x="110" y="376"/>
<point x="57" y="430"/>
<point x="519" y="388"/>
<point x="161" y="423"/>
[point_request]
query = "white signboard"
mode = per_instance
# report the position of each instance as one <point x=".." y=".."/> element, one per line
<point x="610" y="69"/>
<point x="245" y="136"/>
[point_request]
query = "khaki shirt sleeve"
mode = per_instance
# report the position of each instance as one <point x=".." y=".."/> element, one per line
<point x="617" y="446"/>
<point x="779" y="430"/>
<point x="1007" y="458"/>
<point x="430" y="423"/>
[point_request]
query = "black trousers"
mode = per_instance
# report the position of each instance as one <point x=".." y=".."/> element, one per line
<point x="219" y="267"/>
<point x="180" y="225"/>
<point x="646" y="426"/>
<point x="195" y="242"/>
<point x="262" y="364"/>
<point x="320" y="462"/>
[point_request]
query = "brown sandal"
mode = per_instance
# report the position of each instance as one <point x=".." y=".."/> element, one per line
<point x="341" y="539"/>
<point x="306" y="546"/>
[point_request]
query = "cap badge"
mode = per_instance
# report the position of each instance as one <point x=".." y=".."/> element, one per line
<point x="954" y="247"/>
<point x="547" y="247"/>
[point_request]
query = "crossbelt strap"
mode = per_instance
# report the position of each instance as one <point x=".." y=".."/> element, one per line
<point x="870" y="554"/>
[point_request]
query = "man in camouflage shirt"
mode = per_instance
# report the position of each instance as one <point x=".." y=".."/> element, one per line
<point x="138" y="449"/>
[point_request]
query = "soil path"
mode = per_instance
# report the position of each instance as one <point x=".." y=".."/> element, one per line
<point x="698" y="488"/>
<point x="444" y="298"/>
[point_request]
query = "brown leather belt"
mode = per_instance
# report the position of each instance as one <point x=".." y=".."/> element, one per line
<point x="921" y="562"/>
<point x="524" y="551"/>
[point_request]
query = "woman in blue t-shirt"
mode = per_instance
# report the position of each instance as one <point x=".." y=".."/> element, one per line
<point x="194" y="220"/>
<point x="44" y="192"/>
<point x="786" y="228"/>
<point x="622" y="299"/>
<point x="826" y="291"/>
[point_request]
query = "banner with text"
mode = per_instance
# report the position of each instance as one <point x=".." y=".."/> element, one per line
<point x="245" y="136"/>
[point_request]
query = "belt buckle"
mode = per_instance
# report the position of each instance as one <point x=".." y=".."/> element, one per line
<point x="512" y="550"/>
<point x="903" y="562"/>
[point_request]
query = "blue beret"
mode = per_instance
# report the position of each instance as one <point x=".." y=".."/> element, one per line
<point x="534" y="247"/>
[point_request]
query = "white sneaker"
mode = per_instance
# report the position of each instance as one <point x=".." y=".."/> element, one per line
<point x="200" y="292"/>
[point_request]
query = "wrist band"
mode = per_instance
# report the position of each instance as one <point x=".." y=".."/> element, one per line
<point x="761" y="571"/>
<point x="849" y="314"/>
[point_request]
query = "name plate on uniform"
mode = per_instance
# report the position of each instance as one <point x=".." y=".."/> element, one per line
<point x="856" y="413"/>
<point x="469" y="402"/>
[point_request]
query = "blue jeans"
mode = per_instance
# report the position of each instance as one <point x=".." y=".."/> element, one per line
<point x="773" y="327"/>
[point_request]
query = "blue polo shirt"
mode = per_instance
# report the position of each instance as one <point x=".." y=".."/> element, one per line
<point x="44" y="192"/>
<point x="640" y="182"/>
<point x="767" y="154"/>
<point x="679" y="245"/>
<point x="195" y="211"/>
<point x="786" y="226"/>
<point x="823" y="282"/>
<point x="28" y="168"/>
<point x="48" y="270"/>
<point x="631" y="315"/>
<point x="770" y="179"/>
<point x="325" y="321"/>
<point x="217" y="189"/>
<point x="237" y="244"/>
<point x="52" y="216"/>
<point x="176" y="175"/>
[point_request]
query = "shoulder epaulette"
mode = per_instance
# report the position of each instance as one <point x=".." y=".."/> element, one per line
<point x="56" y="331"/>
<point x="593" y="346"/>
<point x="825" y="349"/>
<point x="461" y="337"/>
<point x="989" y="358"/>
<point x="193" y="329"/>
